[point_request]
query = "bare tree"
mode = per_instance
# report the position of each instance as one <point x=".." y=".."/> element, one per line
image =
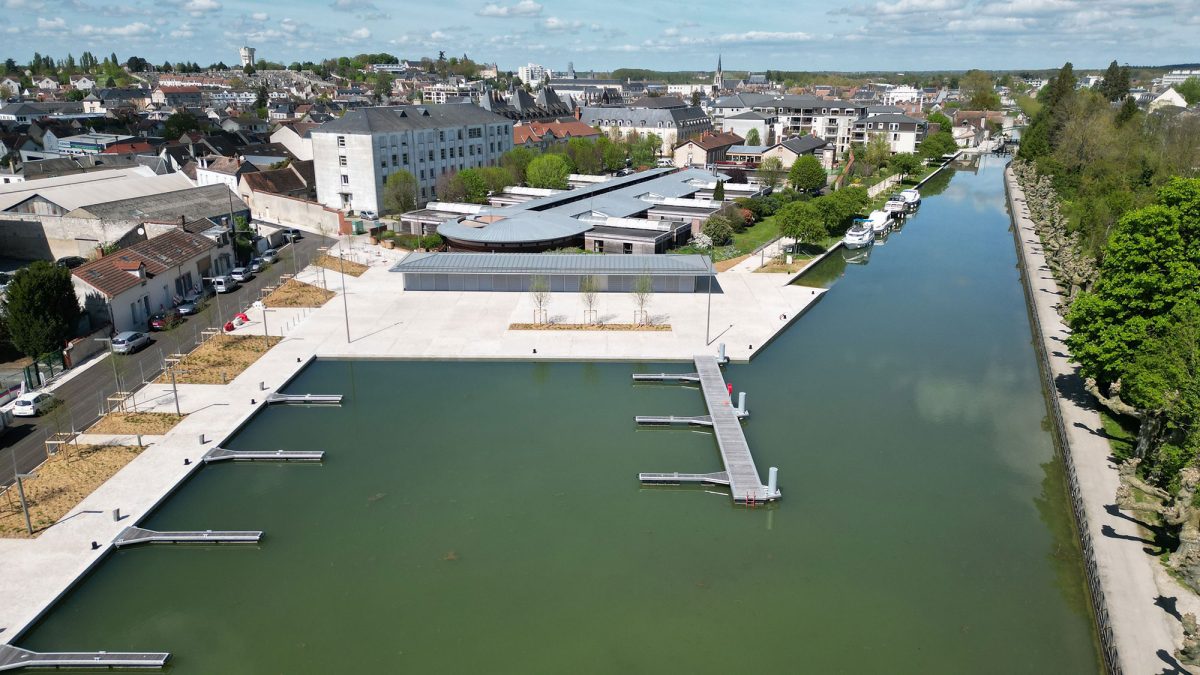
<point x="643" y="288"/>
<point x="588" y="287"/>
<point x="539" y="289"/>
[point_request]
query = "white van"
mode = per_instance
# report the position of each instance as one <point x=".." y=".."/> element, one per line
<point x="224" y="284"/>
<point x="666" y="162"/>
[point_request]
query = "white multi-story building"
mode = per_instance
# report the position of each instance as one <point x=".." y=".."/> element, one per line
<point x="1176" y="77"/>
<point x="797" y="115"/>
<point x="901" y="94"/>
<point x="354" y="155"/>
<point x="903" y="133"/>
<point x="452" y="90"/>
<point x="247" y="56"/>
<point x="533" y="73"/>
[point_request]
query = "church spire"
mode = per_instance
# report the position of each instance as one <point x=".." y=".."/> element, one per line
<point x="719" y="78"/>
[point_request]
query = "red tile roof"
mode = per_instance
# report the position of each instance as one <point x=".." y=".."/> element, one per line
<point x="710" y="141"/>
<point x="127" y="146"/>
<point x="115" y="273"/>
<point x="536" y="131"/>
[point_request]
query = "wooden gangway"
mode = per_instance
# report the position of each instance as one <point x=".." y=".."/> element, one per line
<point x="715" y="478"/>
<point x="741" y="475"/>
<point x="138" y="535"/>
<point x="225" y="455"/>
<point x="15" y="658"/>
<point x="673" y="420"/>
<point x="305" y="399"/>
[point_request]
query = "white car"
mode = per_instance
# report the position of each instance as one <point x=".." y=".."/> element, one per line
<point x="242" y="274"/>
<point x="270" y="255"/>
<point x="368" y="215"/>
<point x="128" y="342"/>
<point x="32" y="404"/>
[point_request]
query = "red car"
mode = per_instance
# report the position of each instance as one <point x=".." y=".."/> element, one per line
<point x="166" y="320"/>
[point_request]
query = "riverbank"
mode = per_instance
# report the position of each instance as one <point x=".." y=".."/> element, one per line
<point x="1129" y="597"/>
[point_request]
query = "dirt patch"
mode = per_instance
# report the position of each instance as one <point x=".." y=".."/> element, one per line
<point x="60" y="484"/>
<point x="145" y="423"/>
<point x="726" y="265"/>
<point x="220" y="359"/>
<point x="590" y="326"/>
<point x="332" y="262"/>
<point x="298" y="294"/>
<point x="781" y="267"/>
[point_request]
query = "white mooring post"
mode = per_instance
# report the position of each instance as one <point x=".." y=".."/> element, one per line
<point x="721" y="353"/>
<point x="741" y="407"/>
<point x="772" y="481"/>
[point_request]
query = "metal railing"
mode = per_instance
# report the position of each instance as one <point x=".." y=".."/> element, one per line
<point x="1096" y="590"/>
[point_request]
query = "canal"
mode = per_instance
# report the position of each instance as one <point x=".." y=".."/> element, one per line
<point x="485" y="517"/>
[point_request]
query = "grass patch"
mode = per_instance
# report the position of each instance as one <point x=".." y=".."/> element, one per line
<point x="591" y="326"/>
<point x="332" y="262"/>
<point x="1121" y="433"/>
<point x="220" y="359"/>
<point x="298" y="294"/>
<point x="756" y="235"/>
<point x="61" y="483"/>
<point x="147" y="423"/>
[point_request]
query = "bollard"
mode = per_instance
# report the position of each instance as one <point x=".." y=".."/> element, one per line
<point x="721" y="352"/>
<point x="186" y="461"/>
<point x="741" y="409"/>
<point x="789" y="261"/>
<point x="95" y="546"/>
<point x="773" y="481"/>
<point x="116" y="515"/>
<point x="201" y="439"/>
<point x="262" y="386"/>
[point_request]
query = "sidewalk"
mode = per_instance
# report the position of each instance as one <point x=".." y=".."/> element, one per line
<point x="1129" y="579"/>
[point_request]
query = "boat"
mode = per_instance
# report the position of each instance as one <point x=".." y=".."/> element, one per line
<point x="896" y="205"/>
<point x="879" y="221"/>
<point x="912" y="198"/>
<point x="859" y="235"/>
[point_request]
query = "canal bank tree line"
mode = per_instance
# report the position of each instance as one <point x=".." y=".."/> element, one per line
<point x="1114" y="196"/>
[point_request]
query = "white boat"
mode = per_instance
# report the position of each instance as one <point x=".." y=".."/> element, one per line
<point x="879" y="221"/>
<point x="859" y="235"/>
<point x="912" y="198"/>
<point x="896" y="204"/>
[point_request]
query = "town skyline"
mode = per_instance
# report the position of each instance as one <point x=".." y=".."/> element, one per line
<point x="911" y="35"/>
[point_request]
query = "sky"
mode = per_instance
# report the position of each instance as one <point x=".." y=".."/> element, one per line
<point x="846" y="35"/>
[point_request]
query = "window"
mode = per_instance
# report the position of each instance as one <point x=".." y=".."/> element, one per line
<point x="341" y="160"/>
<point x="443" y="153"/>
<point x="441" y="135"/>
<point x="383" y="162"/>
<point x="431" y="155"/>
<point x="474" y="132"/>
<point x="627" y="248"/>
<point x="393" y="160"/>
<point x="341" y="141"/>
<point x="405" y="156"/>
<point x="345" y="179"/>
<point x="422" y="174"/>
<point x="598" y="246"/>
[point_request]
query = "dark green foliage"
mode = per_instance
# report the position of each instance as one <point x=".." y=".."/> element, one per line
<point x="178" y="124"/>
<point x="1116" y="82"/>
<point x="719" y="230"/>
<point x="803" y="221"/>
<point x="1190" y="90"/>
<point x="807" y="174"/>
<point x="719" y="192"/>
<point x="40" y="309"/>
<point x="936" y="145"/>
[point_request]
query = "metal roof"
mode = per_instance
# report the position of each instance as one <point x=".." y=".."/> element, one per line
<point x="385" y="119"/>
<point x="516" y="229"/>
<point x="552" y="263"/>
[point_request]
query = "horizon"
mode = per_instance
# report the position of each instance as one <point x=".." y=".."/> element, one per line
<point x="909" y="36"/>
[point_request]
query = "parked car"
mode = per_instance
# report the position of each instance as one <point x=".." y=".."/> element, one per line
<point x="129" y="341"/>
<point x="166" y="320"/>
<point x="367" y="214"/>
<point x="32" y="404"/>
<point x="625" y="172"/>
<point x="70" y="262"/>
<point x="224" y="284"/>
<point x="242" y="274"/>
<point x="270" y="255"/>
<point x="292" y="234"/>
<point x="190" y="307"/>
<point x="257" y="264"/>
<point x="201" y="294"/>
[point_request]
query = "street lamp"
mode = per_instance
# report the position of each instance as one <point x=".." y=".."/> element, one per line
<point x="708" y="311"/>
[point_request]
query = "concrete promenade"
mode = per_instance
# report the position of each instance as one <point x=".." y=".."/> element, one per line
<point x="1143" y="632"/>
<point x="747" y="311"/>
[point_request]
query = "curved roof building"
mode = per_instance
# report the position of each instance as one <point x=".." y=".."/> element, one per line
<point x="520" y="232"/>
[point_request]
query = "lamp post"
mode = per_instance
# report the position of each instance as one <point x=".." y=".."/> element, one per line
<point x="708" y="311"/>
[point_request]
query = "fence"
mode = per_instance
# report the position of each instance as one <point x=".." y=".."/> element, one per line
<point x="1096" y="591"/>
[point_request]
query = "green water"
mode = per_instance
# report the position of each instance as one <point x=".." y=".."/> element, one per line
<point x="486" y="518"/>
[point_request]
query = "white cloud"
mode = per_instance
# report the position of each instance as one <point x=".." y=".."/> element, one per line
<point x="200" y="7"/>
<point x="57" y="23"/>
<point x="438" y="36"/>
<point x="260" y="16"/>
<point x="522" y="8"/>
<point x="22" y="4"/>
<point x="554" y="23"/>
<point x="133" y="30"/>
<point x="360" y="34"/>
<point x="289" y="25"/>
<point x="354" y="6"/>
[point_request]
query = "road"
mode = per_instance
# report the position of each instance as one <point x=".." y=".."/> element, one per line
<point x="22" y="448"/>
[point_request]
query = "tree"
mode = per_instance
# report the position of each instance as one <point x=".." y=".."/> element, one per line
<point x="752" y="138"/>
<point x="1115" y="85"/>
<point x="179" y="124"/>
<point x="400" y="192"/>
<point x="260" y="99"/>
<point x="807" y="174"/>
<point x="941" y="143"/>
<point x="770" y="171"/>
<point x="905" y="164"/>
<point x="589" y="286"/>
<point x="612" y="154"/>
<point x="979" y="90"/>
<point x="718" y="229"/>
<point x="475" y="186"/>
<point x="517" y="161"/>
<point x="1189" y="90"/>
<point x="695" y="98"/>
<point x="451" y="188"/>
<point x="802" y="221"/>
<point x="41" y="309"/>
<point x="719" y="191"/>
<point x="548" y="171"/>
<point x="248" y="69"/>
<point x="875" y="154"/>
<point x="110" y="82"/>
<point x="539" y="290"/>
<point x="643" y="289"/>
<point x="943" y="122"/>
<point x="585" y="155"/>
<point x="75" y="95"/>
<point x="496" y="177"/>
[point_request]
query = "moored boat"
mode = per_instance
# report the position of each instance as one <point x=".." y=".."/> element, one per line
<point x="896" y="205"/>
<point x="879" y="221"/>
<point x="912" y="198"/>
<point x="859" y="235"/>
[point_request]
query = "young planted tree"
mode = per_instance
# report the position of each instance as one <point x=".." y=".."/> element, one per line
<point x="41" y="309"/>
<point x="539" y="290"/>
<point x="400" y="192"/>
<point x="719" y="192"/>
<point x="589" y="287"/>
<point x="770" y="172"/>
<point x="643" y="290"/>
<point x="807" y="174"/>
<point x="753" y="138"/>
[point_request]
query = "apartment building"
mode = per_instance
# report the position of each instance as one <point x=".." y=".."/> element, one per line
<point x="903" y="133"/>
<point x="797" y="115"/>
<point x="354" y="155"/>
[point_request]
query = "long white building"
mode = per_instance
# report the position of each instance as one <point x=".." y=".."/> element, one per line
<point x="355" y="154"/>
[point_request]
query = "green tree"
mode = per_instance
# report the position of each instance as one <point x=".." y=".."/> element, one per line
<point x="517" y="161"/>
<point x="718" y="229"/>
<point x="876" y="153"/>
<point x="475" y="186"/>
<point x="905" y="164"/>
<point x="1116" y="82"/>
<point x="179" y="124"/>
<point x="644" y="150"/>
<point x="585" y="155"/>
<point x="770" y="171"/>
<point x="75" y="95"/>
<point x="613" y="154"/>
<point x="41" y="309"/>
<point x="753" y="138"/>
<point x="936" y="145"/>
<point x="450" y="188"/>
<point x="979" y="89"/>
<point x="1129" y="110"/>
<point x="803" y="222"/>
<point x="943" y="122"/>
<point x="497" y="177"/>
<point x="1189" y="90"/>
<point x="548" y="171"/>
<point x="719" y="192"/>
<point x="400" y="192"/>
<point x="807" y="174"/>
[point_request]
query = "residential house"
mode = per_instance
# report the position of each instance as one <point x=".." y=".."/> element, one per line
<point x="667" y="117"/>
<point x="542" y="135"/>
<point x="82" y="83"/>
<point x="227" y="171"/>
<point x="295" y="136"/>
<point x="742" y="123"/>
<point x="1170" y="97"/>
<point x="354" y="155"/>
<point x="706" y="149"/>
<point x="46" y="84"/>
<point x="902" y="133"/>
<point x="125" y="288"/>
<point x="787" y="151"/>
<point x="177" y="96"/>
